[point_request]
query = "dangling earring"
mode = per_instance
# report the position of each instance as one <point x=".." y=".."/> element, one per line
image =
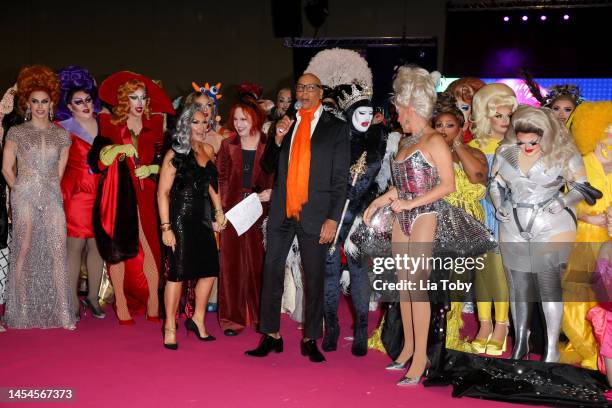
<point x="28" y="114"/>
<point x="51" y="113"/>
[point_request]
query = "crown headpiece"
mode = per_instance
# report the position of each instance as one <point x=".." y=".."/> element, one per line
<point x="348" y="95"/>
<point x="557" y="91"/>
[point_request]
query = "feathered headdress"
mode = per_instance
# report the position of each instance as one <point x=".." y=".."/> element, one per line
<point x="8" y="100"/>
<point x="213" y="92"/>
<point x="340" y="67"/>
<point x="588" y="124"/>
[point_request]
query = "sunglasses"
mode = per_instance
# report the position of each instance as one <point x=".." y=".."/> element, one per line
<point x="81" y="101"/>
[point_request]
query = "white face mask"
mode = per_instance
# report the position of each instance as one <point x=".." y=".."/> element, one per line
<point x="362" y="118"/>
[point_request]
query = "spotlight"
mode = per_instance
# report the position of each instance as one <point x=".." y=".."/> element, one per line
<point x="524" y="18"/>
<point x="566" y="16"/>
<point x="506" y="18"/>
<point x="543" y="18"/>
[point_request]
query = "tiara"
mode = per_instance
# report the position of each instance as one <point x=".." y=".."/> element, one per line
<point x="358" y="92"/>
<point x="571" y="91"/>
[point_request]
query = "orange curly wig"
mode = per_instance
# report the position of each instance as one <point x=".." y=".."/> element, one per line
<point x="36" y="78"/>
<point x="122" y="109"/>
<point x="465" y="88"/>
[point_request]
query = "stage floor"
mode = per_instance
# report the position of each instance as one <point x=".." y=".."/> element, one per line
<point x="118" y="366"/>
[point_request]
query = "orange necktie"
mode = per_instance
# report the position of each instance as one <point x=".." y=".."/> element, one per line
<point x="299" y="165"/>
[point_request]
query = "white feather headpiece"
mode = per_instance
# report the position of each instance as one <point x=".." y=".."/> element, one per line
<point x="339" y="66"/>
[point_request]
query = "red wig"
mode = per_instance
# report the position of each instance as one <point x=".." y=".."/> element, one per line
<point x="122" y="109"/>
<point x="465" y="88"/>
<point x="37" y="78"/>
<point x="250" y="109"/>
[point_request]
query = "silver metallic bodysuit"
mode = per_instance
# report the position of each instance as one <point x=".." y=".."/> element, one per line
<point x="413" y="177"/>
<point x="533" y="211"/>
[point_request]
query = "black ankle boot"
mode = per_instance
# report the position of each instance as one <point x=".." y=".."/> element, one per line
<point x="309" y="348"/>
<point x="267" y="345"/>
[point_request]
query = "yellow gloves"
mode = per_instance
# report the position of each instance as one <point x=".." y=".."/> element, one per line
<point x="145" y="171"/>
<point x="109" y="153"/>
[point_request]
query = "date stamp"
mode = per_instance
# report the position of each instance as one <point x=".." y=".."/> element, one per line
<point x="14" y="394"/>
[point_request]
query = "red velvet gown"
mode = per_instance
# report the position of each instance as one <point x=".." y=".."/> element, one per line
<point x="79" y="184"/>
<point x="149" y="144"/>
<point x="242" y="257"/>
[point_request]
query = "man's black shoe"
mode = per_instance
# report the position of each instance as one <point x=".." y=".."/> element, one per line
<point x="268" y="344"/>
<point x="309" y="348"/>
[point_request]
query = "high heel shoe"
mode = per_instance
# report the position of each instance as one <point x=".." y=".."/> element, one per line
<point x="128" y="322"/>
<point x="479" y="346"/>
<point x="497" y="348"/>
<point x="153" y="319"/>
<point x="169" y="346"/>
<point x="397" y="366"/>
<point x="96" y="311"/>
<point x="412" y="381"/>
<point x="191" y="326"/>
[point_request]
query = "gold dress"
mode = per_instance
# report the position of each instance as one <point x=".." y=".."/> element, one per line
<point x="582" y="347"/>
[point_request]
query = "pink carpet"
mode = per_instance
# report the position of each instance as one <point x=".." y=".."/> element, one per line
<point x="113" y="366"/>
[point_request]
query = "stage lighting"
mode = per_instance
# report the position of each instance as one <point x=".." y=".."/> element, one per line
<point x="566" y="16"/>
<point x="524" y="18"/>
<point x="506" y="18"/>
<point x="543" y="18"/>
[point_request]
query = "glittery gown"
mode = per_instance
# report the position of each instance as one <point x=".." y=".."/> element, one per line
<point x="39" y="293"/>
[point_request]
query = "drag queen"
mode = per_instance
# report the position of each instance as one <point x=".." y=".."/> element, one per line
<point x="125" y="218"/>
<point x="471" y="170"/>
<point x="39" y="291"/>
<point x="588" y="126"/>
<point x="186" y="188"/>
<point x="424" y="156"/>
<point x="538" y="223"/>
<point x="492" y="106"/>
<point x="76" y="112"/>
<point x="463" y="89"/>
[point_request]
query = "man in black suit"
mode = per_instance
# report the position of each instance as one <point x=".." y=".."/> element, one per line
<point x="316" y="222"/>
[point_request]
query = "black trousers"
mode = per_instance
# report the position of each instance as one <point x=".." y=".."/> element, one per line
<point x="313" y="256"/>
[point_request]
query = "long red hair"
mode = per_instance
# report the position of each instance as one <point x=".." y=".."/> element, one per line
<point x="36" y="78"/>
<point x="252" y="111"/>
<point x="122" y="109"/>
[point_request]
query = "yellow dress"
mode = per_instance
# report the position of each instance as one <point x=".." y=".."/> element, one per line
<point x="582" y="347"/>
<point x="466" y="196"/>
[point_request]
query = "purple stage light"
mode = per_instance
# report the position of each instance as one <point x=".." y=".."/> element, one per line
<point x="524" y="18"/>
<point x="506" y="18"/>
<point x="566" y="16"/>
<point x="543" y="18"/>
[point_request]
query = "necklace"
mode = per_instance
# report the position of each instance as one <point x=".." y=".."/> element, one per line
<point x="415" y="138"/>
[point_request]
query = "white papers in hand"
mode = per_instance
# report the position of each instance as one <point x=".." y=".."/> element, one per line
<point x="244" y="214"/>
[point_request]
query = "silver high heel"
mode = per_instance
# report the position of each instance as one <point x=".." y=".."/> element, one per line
<point x="412" y="381"/>
<point x="396" y="366"/>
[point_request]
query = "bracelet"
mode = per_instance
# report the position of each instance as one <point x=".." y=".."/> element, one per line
<point x="218" y="210"/>
<point x="166" y="227"/>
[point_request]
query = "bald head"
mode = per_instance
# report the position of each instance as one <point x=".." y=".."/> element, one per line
<point x="308" y="90"/>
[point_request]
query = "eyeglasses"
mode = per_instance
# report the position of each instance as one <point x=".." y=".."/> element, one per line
<point x="307" y="87"/>
<point x="532" y="143"/>
<point x="81" y="101"/>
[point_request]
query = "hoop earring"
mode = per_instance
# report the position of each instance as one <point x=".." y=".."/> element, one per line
<point x="28" y="114"/>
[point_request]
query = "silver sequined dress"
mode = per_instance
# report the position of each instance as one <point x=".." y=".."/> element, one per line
<point x="38" y="293"/>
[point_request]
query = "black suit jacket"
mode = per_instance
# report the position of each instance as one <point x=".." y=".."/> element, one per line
<point x="329" y="166"/>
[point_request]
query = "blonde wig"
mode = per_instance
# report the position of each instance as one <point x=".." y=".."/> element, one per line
<point x="484" y="107"/>
<point x="415" y="87"/>
<point x="556" y="141"/>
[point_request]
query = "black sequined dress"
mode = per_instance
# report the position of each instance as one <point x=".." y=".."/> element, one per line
<point x="196" y="253"/>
